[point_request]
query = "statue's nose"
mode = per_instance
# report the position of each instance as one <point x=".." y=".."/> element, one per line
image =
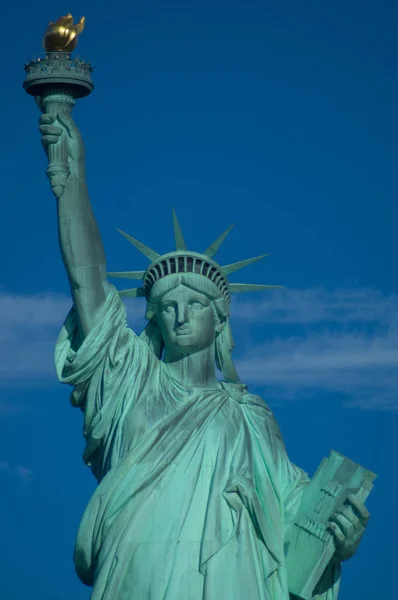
<point x="182" y="313"/>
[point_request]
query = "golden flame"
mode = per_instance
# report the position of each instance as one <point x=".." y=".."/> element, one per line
<point x="62" y="35"/>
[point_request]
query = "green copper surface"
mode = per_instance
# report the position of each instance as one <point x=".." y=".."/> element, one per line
<point x="228" y="269"/>
<point x="196" y="498"/>
<point x="151" y="254"/>
<point x="179" y="238"/>
<point x="212" y="249"/>
<point x="186" y="261"/>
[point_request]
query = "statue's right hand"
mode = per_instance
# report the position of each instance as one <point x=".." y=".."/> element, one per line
<point x="52" y="127"/>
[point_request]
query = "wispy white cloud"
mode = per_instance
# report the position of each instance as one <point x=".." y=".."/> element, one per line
<point x="352" y="305"/>
<point x="363" y="368"/>
<point x="32" y="311"/>
<point x="311" y="342"/>
<point x="29" y="325"/>
<point x="344" y="342"/>
<point x="20" y="472"/>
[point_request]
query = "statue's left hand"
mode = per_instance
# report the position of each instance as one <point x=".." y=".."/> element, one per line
<point x="348" y="526"/>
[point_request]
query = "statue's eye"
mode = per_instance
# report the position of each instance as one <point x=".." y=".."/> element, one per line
<point x="167" y="308"/>
<point x="196" y="305"/>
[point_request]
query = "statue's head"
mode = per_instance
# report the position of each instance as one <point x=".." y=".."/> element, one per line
<point x="189" y="311"/>
<point x="188" y="297"/>
<point x="186" y="313"/>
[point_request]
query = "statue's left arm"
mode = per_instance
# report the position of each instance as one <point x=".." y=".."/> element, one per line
<point x="293" y="482"/>
<point x="347" y="525"/>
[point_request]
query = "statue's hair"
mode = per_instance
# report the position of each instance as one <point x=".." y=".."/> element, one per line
<point x="194" y="281"/>
<point x="199" y="283"/>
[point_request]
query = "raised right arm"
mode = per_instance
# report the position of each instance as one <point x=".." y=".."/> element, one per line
<point x="79" y="237"/>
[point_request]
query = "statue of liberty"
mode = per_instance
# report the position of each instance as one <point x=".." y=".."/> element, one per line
<point x="195" y="489"/>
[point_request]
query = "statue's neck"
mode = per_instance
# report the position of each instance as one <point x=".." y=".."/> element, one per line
<point x="193" y="370"/>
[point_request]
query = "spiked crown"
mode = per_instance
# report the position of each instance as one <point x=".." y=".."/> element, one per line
<point x="183" y="260"/>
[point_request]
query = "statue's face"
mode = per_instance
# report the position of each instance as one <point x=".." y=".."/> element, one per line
<point x="187" y="320"/>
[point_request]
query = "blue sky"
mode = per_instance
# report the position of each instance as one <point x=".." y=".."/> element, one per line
<point x="279" y="117"/>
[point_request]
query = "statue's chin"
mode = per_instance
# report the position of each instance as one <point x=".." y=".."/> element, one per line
<point x="186" y="344"/>
<point x="183" y="345"/>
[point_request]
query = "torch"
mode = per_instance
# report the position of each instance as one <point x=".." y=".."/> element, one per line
<point x="56" y="79"/>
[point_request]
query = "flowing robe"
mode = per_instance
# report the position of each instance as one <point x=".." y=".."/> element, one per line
<point x="195" y="488"/>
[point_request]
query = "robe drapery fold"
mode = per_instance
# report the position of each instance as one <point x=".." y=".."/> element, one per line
<point x="195" y="488"/>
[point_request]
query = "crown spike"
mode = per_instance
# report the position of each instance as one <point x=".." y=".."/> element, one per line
<point x="127" y="274"/>
<point x="241" y="264"/>
<point x="212" y="249"/>
<point x="151" y="254"/>
<point x="179" y="238"/>
<point x="250" y="287"/>
<point x="132" y="293"/>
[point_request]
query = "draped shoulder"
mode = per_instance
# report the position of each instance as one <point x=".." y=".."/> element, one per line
<point x="108" y="371"/>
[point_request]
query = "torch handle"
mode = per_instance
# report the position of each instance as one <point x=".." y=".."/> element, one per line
<point x="58" y="167"/>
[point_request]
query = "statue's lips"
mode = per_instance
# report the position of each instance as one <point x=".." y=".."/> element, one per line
<point x="183" y="331"/>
